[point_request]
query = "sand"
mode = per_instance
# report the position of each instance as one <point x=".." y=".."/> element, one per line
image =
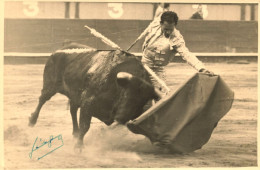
<point x="232" y="144"/>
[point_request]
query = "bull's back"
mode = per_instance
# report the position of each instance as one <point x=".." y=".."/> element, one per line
<point x="82" y="69"/>
<point x="73" y="59"/>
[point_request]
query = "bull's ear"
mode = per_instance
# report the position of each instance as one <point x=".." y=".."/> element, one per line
<point x="123" y="78"/>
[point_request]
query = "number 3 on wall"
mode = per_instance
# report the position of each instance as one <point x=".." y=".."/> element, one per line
<point x="116" y="11"/>
<point x="31" y="9"/>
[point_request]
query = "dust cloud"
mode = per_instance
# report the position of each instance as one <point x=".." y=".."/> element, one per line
<point x="115" y="143"/>
<point x="103" y="145"/>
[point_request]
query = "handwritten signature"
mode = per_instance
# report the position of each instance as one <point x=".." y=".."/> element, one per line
<point x="48" y="143"/>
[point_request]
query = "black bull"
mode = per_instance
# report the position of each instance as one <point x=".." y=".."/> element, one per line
<point x="98" y="83"/>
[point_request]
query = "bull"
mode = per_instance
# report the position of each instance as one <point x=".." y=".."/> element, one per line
<point x="112" y="86"/>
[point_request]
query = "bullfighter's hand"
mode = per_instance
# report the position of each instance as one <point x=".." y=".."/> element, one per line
<point x="205" y="71"/>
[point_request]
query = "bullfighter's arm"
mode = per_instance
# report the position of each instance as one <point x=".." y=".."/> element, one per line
<point x="191" y="59"/>
<point x="177" y="42"/>
<point x="154" y="23"/>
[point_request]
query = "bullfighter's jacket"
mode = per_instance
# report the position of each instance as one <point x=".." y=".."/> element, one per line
<point x="158" y="50"/>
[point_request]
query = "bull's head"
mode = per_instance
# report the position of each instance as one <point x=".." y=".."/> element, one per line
<point x="135" y="94"/>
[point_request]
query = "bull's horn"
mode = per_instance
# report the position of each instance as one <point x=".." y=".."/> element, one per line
<point x="123" y="78"/>
<point x="124" y="75"/>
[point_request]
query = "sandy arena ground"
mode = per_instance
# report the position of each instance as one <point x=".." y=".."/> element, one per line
<point x="232" y="144"/>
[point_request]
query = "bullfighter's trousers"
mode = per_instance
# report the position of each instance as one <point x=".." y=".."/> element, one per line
<point x="158" y="70"/>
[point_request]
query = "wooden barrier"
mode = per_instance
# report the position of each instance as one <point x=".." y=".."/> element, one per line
<point x="47" y="35"/>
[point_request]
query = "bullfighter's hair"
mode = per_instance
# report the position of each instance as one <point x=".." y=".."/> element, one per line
<point x="170" y="17"/>
<point x="75" y="50"/>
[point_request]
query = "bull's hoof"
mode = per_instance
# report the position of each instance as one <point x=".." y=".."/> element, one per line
<point x="32" y="121"/>
<point x="31" y="124"/>
<point x="75" y="134"/>
<point x="78" y="148"/>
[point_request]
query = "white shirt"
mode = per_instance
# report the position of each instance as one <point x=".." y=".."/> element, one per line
<point x="156" y="40"/>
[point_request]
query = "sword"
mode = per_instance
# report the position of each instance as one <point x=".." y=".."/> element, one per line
<point x="132" y="44"/>
<point x="140" y="37"/>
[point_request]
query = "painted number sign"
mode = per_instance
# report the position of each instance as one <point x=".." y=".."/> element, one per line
<point x="115" y="10"/>
<point x="30" y="9"/>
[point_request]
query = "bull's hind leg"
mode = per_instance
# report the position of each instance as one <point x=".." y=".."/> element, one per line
<point x="84" y="124"/>
<point x="46" y="95"/>
<point x="50" y="86"/>
<point x="73" y="112"/>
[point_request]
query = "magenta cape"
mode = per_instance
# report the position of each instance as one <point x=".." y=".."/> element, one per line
<point x="184" y="120"/>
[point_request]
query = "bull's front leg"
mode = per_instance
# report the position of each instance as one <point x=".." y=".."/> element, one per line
<point x="84" y="124"/>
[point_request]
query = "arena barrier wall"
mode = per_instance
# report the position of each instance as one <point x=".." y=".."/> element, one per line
<point x="47" y="35"/>
<point x="41" y="58"/>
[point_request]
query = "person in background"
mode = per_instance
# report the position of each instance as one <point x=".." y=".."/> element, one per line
<point x="162" y="7"/>
<point x="162" y="42"/>
<point x="198" y="14"/>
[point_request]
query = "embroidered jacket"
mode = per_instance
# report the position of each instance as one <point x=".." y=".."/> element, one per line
<point x="156" y="41"/>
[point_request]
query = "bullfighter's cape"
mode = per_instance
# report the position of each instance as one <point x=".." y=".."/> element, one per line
<point x="184" y="120"/>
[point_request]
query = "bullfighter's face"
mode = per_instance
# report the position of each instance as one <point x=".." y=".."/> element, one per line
<point x="167" y="28"/>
